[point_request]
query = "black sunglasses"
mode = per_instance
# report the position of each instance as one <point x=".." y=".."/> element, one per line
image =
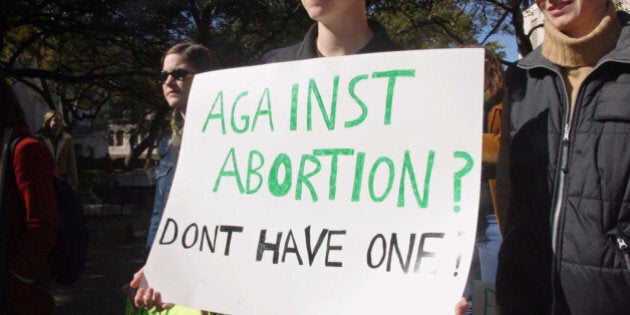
<point x="177" y="74"/>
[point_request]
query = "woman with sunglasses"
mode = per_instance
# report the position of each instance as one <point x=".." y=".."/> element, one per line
<point x="179" y="65"/>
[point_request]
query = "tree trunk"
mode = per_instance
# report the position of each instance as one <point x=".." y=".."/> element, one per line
<point x="149" y="142"/>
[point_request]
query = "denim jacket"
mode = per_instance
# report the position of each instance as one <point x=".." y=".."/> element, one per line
<point x="163" y="181"/>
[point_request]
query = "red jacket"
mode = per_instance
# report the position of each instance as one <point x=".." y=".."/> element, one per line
<point x="30" y="209"/>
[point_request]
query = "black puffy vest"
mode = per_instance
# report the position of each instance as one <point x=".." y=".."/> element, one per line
<point x="570" y="200"/>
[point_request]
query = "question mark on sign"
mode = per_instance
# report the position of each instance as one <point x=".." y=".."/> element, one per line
<point x="457" y="177"/>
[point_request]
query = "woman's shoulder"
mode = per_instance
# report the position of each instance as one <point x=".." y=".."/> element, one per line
<point x="27" y="143"/>
<point x="66" y="136"/>
<point x="29" y="148"/>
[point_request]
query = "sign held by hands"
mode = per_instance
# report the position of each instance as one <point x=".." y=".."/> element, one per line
<point x="343" y="185"/>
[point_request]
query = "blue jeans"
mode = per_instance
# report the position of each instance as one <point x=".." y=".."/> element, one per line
<point x="485" y="257"/>
<point x="488" y="249"/>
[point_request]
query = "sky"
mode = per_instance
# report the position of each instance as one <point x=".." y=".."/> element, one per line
<point x="509" y="42"/>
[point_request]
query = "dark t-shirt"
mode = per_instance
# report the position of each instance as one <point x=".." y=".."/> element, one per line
<point x="307" y="49"/>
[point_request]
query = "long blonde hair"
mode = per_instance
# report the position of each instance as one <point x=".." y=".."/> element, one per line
<point x="48" y="116"/>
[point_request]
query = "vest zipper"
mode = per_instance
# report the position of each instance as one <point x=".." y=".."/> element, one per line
<point x="624" y="249"/>
<point x="559" y="200"/>
<point x="564" y="168"/>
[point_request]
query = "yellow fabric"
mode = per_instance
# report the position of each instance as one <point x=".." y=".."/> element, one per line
<point x="490" y="151"/>
<point x="67" y="164"/>
<point x="492" y="136"/>
<point x="130" y="309"/>
<point x="64" y="156"/>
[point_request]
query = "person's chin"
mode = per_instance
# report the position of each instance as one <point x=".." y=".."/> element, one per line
<point x="174" y="105"/>
<point x="317" y="12"/>
<point x="565" y="24"/>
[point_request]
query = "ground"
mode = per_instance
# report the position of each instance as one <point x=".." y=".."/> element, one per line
<point x="115" y="252"/>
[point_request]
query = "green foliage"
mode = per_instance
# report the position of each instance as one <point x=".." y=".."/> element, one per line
<point x="438" y="24"/>
<point x="95" y="183"/>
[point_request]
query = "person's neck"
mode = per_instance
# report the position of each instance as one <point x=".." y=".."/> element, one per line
<point x="343" y="38"/>
<point x="567" y="51"/>
<point x="588" y="26"/>
<point x="55" y="136"/>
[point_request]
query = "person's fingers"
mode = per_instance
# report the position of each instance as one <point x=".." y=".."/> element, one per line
<point x="138" y="299"/>
<point x="137" y="278"/>
<point x="159" y="306"/>
<point x="149" y="302"/>
<point x="461" y="306"/>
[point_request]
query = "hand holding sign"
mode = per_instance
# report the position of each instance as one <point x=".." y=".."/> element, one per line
<point x="146" y="297"/>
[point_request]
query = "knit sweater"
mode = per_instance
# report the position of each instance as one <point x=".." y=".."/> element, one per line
<point x="578" y="56"/>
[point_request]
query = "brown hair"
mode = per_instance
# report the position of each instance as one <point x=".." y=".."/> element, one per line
<point x="12" y="113"/>
<point x="494" y="81"/>
<point x="200" y="57"/>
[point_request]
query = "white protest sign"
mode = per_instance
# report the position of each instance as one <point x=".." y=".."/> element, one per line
<point x="345" y="185"/>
